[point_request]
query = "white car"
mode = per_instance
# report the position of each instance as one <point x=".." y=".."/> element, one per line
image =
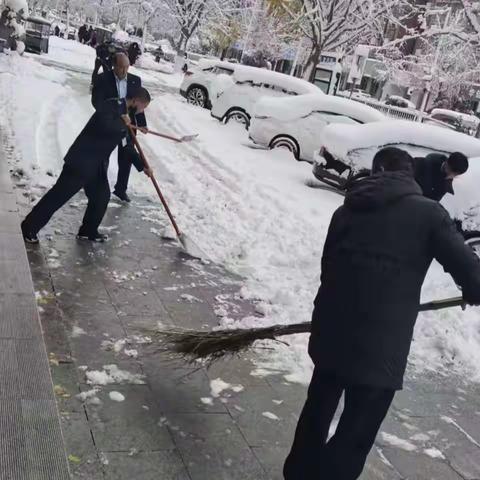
<point x="296" y="123"/>
<point x="461" y="122"/>
<point x="235" y="99"/>
<point x="351" y="148"/>
<point x="196" y="85"/>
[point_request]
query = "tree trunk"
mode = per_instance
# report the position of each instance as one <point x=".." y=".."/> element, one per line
<point x="311" y="63"/>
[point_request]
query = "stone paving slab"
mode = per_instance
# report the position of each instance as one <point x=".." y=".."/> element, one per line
<point x="172" y="426"/>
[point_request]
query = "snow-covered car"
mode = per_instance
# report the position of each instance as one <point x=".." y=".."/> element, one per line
<point x="235" y="99"/>
<point x="461" y="122"/>
<point x="296" y="123"/>
<point x="349" y="149"/>
<point x="397" y="101"/>
<point x="196" y="85"/>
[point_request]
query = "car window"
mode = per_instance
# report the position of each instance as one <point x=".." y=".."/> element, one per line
<point x="330" y="117"/>
<point x="224" y="71"/>
<point x="444" y="118"/>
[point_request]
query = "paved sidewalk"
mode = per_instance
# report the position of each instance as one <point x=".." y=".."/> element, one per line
<point x="31" y="443"/>
<point x="94" y="302"/>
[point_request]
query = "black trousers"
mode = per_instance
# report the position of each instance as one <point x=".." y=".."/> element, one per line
<point x="124" y="168"/>
<point x="342" y="457"/>
<point x="68" y="184"/>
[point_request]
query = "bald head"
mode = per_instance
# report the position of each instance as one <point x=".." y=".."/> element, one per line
<point x="120" y="65"/>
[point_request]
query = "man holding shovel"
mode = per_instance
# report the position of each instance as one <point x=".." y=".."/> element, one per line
<point x="86" y="165"/>
<point x="119" y="83"/>
<point x="379" y="247"/>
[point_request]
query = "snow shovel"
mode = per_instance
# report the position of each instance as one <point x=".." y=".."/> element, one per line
<point x="194" y="345"/>
<point x="185" y="138"/>
<point x="188" y="245"/>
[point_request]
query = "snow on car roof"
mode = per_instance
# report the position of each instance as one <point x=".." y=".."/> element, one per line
<point x="205" y="63"/>
<point x="339" y="140"/>
<point x="243" y="73"/>
<point x="451" y="113"/>
<point x="292" y="108"/>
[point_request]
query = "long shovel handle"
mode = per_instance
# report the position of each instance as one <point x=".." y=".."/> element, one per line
<point x="163" y="135"/>
<point x="440" y="304"/>
<point x="154" y="181"/>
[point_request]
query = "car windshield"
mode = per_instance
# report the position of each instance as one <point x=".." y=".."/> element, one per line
<point x="362" y="157"/>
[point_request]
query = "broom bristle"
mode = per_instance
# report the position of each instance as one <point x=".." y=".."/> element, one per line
<point x="193" y="345"/>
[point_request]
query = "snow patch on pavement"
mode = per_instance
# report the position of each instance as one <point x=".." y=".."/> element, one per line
<point x="397" y="442"/>
<point x="218" y="386"/>
<point x="112" y="374"/>
<point x="116" y="396"/>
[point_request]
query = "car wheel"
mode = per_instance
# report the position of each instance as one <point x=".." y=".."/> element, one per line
<point x="197" y="96"/>
<point x="239" y="116"/>
<point x="288" y="143"/>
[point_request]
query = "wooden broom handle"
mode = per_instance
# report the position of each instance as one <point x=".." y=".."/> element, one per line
<point x="154" y="181"/>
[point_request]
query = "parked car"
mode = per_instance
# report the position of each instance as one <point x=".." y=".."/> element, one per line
<point x="296" y="123"/>
<point x="196" y="85"/>
<point x="461" y="122"/>
<point x="348" y="149"/>
<point x="236" y="99"/>
<point x="397" y="101"/>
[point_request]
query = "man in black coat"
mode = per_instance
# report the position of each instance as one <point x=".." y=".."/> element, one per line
<point x="379" y="247"/>
<point x="86" y="165"/>
<point x="435" y="173"/>
<point x="119" y="83"/>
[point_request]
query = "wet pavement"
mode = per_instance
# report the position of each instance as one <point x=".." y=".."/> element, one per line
<point x="97" y="303"/>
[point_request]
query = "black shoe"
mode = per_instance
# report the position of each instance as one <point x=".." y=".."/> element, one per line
<point x="29" y="237"/>
<point x="122" y="196"/>
<point x="96" y="237"/>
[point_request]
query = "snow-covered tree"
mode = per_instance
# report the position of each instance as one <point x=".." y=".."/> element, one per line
<point x="331" y="25"/>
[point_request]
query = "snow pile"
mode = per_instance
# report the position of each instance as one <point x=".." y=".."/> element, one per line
<point x="112" y="374"/>
<point x="463" y="118"/>
<point x="340" y="140"/>
<point x="218" y="386"/>
<point x="147" y="62"/>
<point x="291" y="108"/>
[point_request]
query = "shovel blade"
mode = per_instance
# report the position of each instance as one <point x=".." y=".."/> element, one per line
<point x="191" y="248"/>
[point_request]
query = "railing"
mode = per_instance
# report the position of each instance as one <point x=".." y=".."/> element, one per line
<point x="388" y="110"/>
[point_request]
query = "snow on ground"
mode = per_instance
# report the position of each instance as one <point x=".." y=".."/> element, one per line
<point x="249" y="210"/>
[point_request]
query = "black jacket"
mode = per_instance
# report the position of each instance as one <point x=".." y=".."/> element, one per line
<point x="430" y="176"/>
<point x="105" y="87"/>
<point x="90" y="152"/>
<point x="378" y="249"/>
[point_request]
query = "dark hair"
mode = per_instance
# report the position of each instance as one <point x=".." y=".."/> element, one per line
<point x="392" y="159"/>
<point x="141" y="94"/>
<point x="458" y="163"/>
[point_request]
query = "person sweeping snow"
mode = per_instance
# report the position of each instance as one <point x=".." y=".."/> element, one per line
<point x="379" y="247"/>
<point x="86" y="165"/>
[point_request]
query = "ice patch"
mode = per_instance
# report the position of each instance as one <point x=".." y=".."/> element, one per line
<point x="434" y="453"/>
<point x="270" y="416"/>
<point x="420" y="437"/>
<point x="77" y="331"/>
<point x="397" y="442"/>
<point x="116" y="396"/>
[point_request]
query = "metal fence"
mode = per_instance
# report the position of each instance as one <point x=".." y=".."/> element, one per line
<point x="389" y="110"/>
